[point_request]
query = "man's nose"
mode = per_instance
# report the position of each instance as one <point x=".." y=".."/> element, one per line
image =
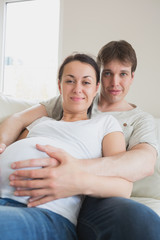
<point x="115" y="80"/>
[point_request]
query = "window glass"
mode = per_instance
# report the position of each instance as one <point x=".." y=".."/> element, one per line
<point x="31" y="49"/>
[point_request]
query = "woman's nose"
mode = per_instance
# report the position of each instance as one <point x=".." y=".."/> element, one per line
<point x="78" y="88"/>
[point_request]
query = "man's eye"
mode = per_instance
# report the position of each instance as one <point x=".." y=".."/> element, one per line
<point x="106" y="74"/>
<point x="123" y="74"/>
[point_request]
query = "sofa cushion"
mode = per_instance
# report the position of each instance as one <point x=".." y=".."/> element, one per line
<point x="157" y="120"/>
<point x="152" y="203"/>
<point x="10" y="105"/>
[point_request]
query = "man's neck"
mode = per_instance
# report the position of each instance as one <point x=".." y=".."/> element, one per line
<point x="121" y="106"/>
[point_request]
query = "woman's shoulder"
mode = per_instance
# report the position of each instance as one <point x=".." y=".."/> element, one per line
<point x="104" y="116"/>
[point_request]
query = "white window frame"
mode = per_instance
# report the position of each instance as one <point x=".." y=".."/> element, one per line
<point x="2" y="40"/>
<point x="3" y="9"/>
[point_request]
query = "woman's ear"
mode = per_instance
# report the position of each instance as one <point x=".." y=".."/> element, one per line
<point x="59" y="86"/>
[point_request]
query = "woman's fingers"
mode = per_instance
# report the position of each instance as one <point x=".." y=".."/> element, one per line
<point x="2" y="147"/>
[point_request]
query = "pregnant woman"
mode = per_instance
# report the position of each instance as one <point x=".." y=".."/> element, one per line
<point x="77" y="134"/>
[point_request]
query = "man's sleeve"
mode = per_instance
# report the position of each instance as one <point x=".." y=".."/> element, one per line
<point x="144" y="132"/>
<point x="53" y="107"/>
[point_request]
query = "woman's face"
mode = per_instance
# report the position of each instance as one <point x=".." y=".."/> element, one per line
<point x="78" y="87"/>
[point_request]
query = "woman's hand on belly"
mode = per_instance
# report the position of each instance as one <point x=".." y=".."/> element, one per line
<point x="2" y="147"/>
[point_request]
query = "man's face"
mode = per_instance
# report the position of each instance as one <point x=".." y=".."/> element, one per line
<point x="116" y="79"/>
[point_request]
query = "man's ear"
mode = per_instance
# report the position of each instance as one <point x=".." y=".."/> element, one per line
<point x="132" y="76"/>
<point x="59" y="86"/>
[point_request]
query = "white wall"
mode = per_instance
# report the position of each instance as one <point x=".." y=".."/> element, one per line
<point x="86" y="25"/>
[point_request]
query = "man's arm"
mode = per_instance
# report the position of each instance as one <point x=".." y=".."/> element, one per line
<point x="132" y="165"/>
<point x="11" y="128"/>
<point x="69" y="177"/>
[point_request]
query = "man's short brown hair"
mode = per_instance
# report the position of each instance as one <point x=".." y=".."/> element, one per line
<point x="117" y="50"/>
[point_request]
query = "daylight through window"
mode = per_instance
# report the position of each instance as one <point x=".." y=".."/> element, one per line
<point x="31" y="49"/>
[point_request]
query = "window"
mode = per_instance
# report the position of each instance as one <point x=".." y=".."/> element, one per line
<point x="31" y="49"/>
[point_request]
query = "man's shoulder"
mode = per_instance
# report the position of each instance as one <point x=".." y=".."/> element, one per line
<point x="138" y="112"/>
<point x="131" y="117"/>
<point x="53" y="107"/>
<point x="135" y="116"/>
<point x="52" y="101"/>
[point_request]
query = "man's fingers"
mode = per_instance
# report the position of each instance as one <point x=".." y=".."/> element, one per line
<point x="16" y="177"/>
<point x="39" y="183"/>
<point x="32" y="193"/>
<point x="32" y="173"/>
<point x="56" y="153"/>
<point x="45" y="148"/>
<point x="51" y="151"/>
<point x="38" y="162"/>
<point x="33" y="202"/>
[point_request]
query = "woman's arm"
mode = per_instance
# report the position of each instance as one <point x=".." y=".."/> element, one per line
<point x="11" y="128"/>
<point x="100" y="186"/>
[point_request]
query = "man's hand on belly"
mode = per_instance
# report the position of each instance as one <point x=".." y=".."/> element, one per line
<point x="59" y="177"/>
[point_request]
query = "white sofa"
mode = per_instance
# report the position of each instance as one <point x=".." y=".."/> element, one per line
<point x="146" y="191"/>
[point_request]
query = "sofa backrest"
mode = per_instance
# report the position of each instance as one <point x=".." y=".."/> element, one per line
<point x="10" y="105"/>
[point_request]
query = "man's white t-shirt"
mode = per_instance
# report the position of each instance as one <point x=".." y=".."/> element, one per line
<point x="82" y="139"/>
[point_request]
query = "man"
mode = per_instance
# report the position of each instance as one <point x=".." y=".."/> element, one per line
<point x="110" y="218"/>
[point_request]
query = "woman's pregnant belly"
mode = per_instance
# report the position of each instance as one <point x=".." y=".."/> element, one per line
<point x="18" y="151"/>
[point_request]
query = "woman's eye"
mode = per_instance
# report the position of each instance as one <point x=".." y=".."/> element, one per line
<point x="86" y="83"/>
<point x="69" y="81"/>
